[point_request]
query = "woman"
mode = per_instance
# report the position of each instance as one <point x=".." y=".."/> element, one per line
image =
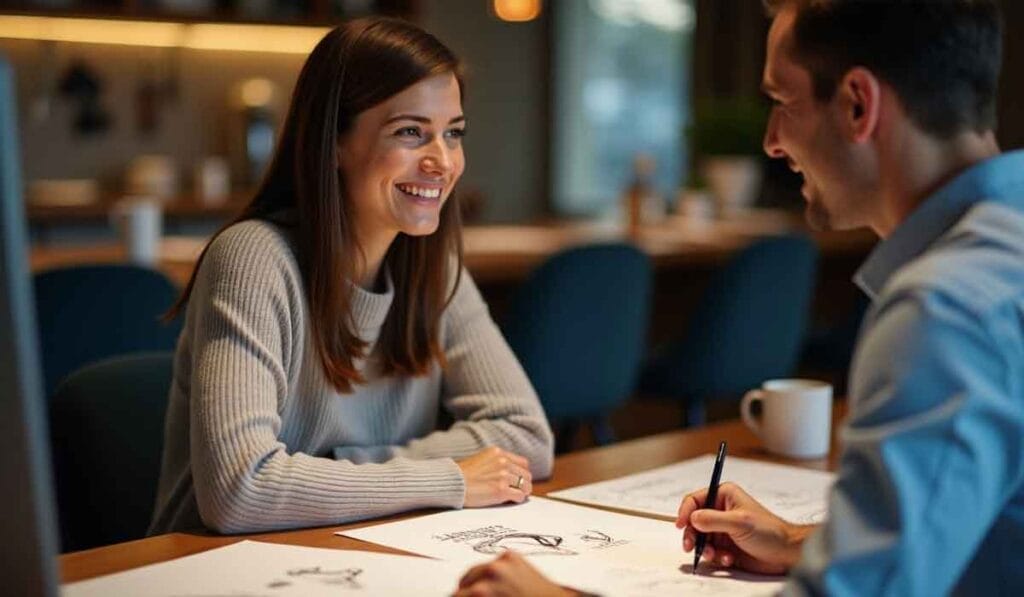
<point x="327" y="327"/>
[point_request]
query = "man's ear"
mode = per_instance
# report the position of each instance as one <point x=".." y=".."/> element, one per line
<point x="860" y="99"/>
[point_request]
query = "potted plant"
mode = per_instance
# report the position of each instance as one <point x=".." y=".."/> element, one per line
<point x="726" y="136"/>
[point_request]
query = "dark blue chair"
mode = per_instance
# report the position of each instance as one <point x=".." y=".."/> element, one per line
<point x="106" y="437"/>
<point x="829" y="349"/>
<point x="87" y="313"/>
<point x="748" y="326"/>
<point x="578" y="325"/>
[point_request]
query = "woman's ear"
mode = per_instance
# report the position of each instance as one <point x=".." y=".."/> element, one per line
<point x="860" y="94"/>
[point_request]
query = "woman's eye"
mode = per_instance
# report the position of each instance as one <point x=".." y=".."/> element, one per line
<point x="455" y="133"/>
<point x="408" y="131"/>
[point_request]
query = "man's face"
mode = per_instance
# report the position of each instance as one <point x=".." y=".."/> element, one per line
<point x="807" y="133"/>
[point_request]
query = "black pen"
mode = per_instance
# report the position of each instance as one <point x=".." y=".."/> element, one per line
<point x="709" y="502"/>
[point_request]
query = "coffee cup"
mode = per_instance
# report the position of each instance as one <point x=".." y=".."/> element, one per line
<point x="139" y="221"/>
<point x="795" y="418"/>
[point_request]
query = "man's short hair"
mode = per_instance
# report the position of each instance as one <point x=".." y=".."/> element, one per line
<point x="941" y="56"/>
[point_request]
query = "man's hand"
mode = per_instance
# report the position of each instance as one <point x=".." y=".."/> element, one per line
<point x="746" y="534"/>
<point x="509" y="575"/>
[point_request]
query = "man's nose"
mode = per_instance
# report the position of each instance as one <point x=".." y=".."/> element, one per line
<point x="771" y="138"/>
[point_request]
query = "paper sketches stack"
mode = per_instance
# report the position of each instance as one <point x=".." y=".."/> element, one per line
<point x="589" y="549"/>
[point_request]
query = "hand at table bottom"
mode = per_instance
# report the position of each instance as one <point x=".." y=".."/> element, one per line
<point x="508" y="575"/>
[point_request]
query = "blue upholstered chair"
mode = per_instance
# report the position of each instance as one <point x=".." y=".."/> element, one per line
<point x="106" y="430"/>
<point x="87" y="313"/>
<point x="829" y="349"/>
<point x="578" y="325"/>
<point x="748" y="326"/>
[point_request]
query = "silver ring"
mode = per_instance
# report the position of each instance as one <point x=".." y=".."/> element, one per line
<point x="518" y="483"/>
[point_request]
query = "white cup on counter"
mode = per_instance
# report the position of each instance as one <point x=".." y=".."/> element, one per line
<point x="139" y="221"/>
<point x="795" y="419"/>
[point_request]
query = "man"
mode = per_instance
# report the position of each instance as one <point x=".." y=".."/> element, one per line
<point x="887" y="109"/>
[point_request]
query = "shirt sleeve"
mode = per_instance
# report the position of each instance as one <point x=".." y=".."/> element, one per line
<point x="933" y="449"/>
<point x="484" y="389"/>
<point x="245" y="479"/>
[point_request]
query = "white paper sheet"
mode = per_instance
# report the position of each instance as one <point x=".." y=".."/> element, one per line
<point x="796" y="494"/>
<point x="588" y="549"/>
<point x="254" y="569"/>
<point x="613" y="580"/>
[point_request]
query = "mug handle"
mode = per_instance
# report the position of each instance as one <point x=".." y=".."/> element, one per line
<point x="748" y="419"/>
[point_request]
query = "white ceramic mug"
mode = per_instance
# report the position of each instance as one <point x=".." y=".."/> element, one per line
<point x="796" y="416"/>
<point x="140" y="221"/>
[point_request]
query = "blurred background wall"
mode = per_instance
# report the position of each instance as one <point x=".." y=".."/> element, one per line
<point x="180" y="102"/>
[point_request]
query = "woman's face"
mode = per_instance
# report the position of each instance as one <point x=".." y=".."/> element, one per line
<point x="401" y="159"/>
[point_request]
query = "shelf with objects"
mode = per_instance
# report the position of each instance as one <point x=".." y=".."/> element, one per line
<point x="301" y="12"/>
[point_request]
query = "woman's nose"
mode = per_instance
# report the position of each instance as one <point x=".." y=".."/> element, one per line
<point x="436" y="160"/>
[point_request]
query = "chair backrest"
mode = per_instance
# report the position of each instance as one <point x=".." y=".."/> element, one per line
<point x="87" y="313"/>
<point x="106" y="433"/>
<point x="578" y="325"/>
<point x="750" y="323"/>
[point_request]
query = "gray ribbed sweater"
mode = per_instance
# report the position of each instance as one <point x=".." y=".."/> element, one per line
<point x="256" y="439"/>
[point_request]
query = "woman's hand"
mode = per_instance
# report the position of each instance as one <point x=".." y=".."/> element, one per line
<point x="508" y="575"/>
<point x="746" y="534"/>
<point x="494" y="476"/>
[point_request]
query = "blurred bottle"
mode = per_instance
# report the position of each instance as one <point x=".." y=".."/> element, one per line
<point x="254" y="127"/>
<point x="641" y="203"/>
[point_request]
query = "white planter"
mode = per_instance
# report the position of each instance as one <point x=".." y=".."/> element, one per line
<point x="734" y="181"/>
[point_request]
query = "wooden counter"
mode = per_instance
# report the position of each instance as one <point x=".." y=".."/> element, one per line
<point x="506" y="254"/>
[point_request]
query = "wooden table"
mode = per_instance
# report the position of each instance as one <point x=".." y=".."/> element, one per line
<point x="571" y="470"/>
<point x="506" y="254"/>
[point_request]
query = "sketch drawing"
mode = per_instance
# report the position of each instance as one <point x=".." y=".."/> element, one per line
<point x="596" y="537"/>
<point x="255" y="569"/>
<point x="531" y="544"/>
<point x="347" y="578"/>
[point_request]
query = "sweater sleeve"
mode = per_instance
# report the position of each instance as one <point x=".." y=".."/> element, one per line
<point x="247" y="331"/>
<point x="484" y="389"/>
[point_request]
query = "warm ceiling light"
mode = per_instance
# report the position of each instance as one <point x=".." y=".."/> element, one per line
<point x="517" y="10"/>
<point x="212" y="36"/>
<point x="257" y="93"/>
<point x="96" y="31"/>
<point x="253" y="38"/>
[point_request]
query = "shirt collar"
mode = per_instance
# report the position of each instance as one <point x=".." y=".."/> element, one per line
<point x="998" y="179"/>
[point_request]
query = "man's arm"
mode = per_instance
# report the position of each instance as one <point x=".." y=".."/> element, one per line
<point x="933" y="447"/>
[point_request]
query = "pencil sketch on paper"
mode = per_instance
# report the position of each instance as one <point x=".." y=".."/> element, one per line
<point x="347" y="578"/>
<point x="596" y="537"/>
<point x="253" y="569"/>
<point x="531" y="544"/>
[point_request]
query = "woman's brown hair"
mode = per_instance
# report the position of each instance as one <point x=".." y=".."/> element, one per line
<point x="355" y="67"/>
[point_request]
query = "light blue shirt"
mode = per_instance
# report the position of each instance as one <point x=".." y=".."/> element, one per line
<point x="930" y="494"/>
